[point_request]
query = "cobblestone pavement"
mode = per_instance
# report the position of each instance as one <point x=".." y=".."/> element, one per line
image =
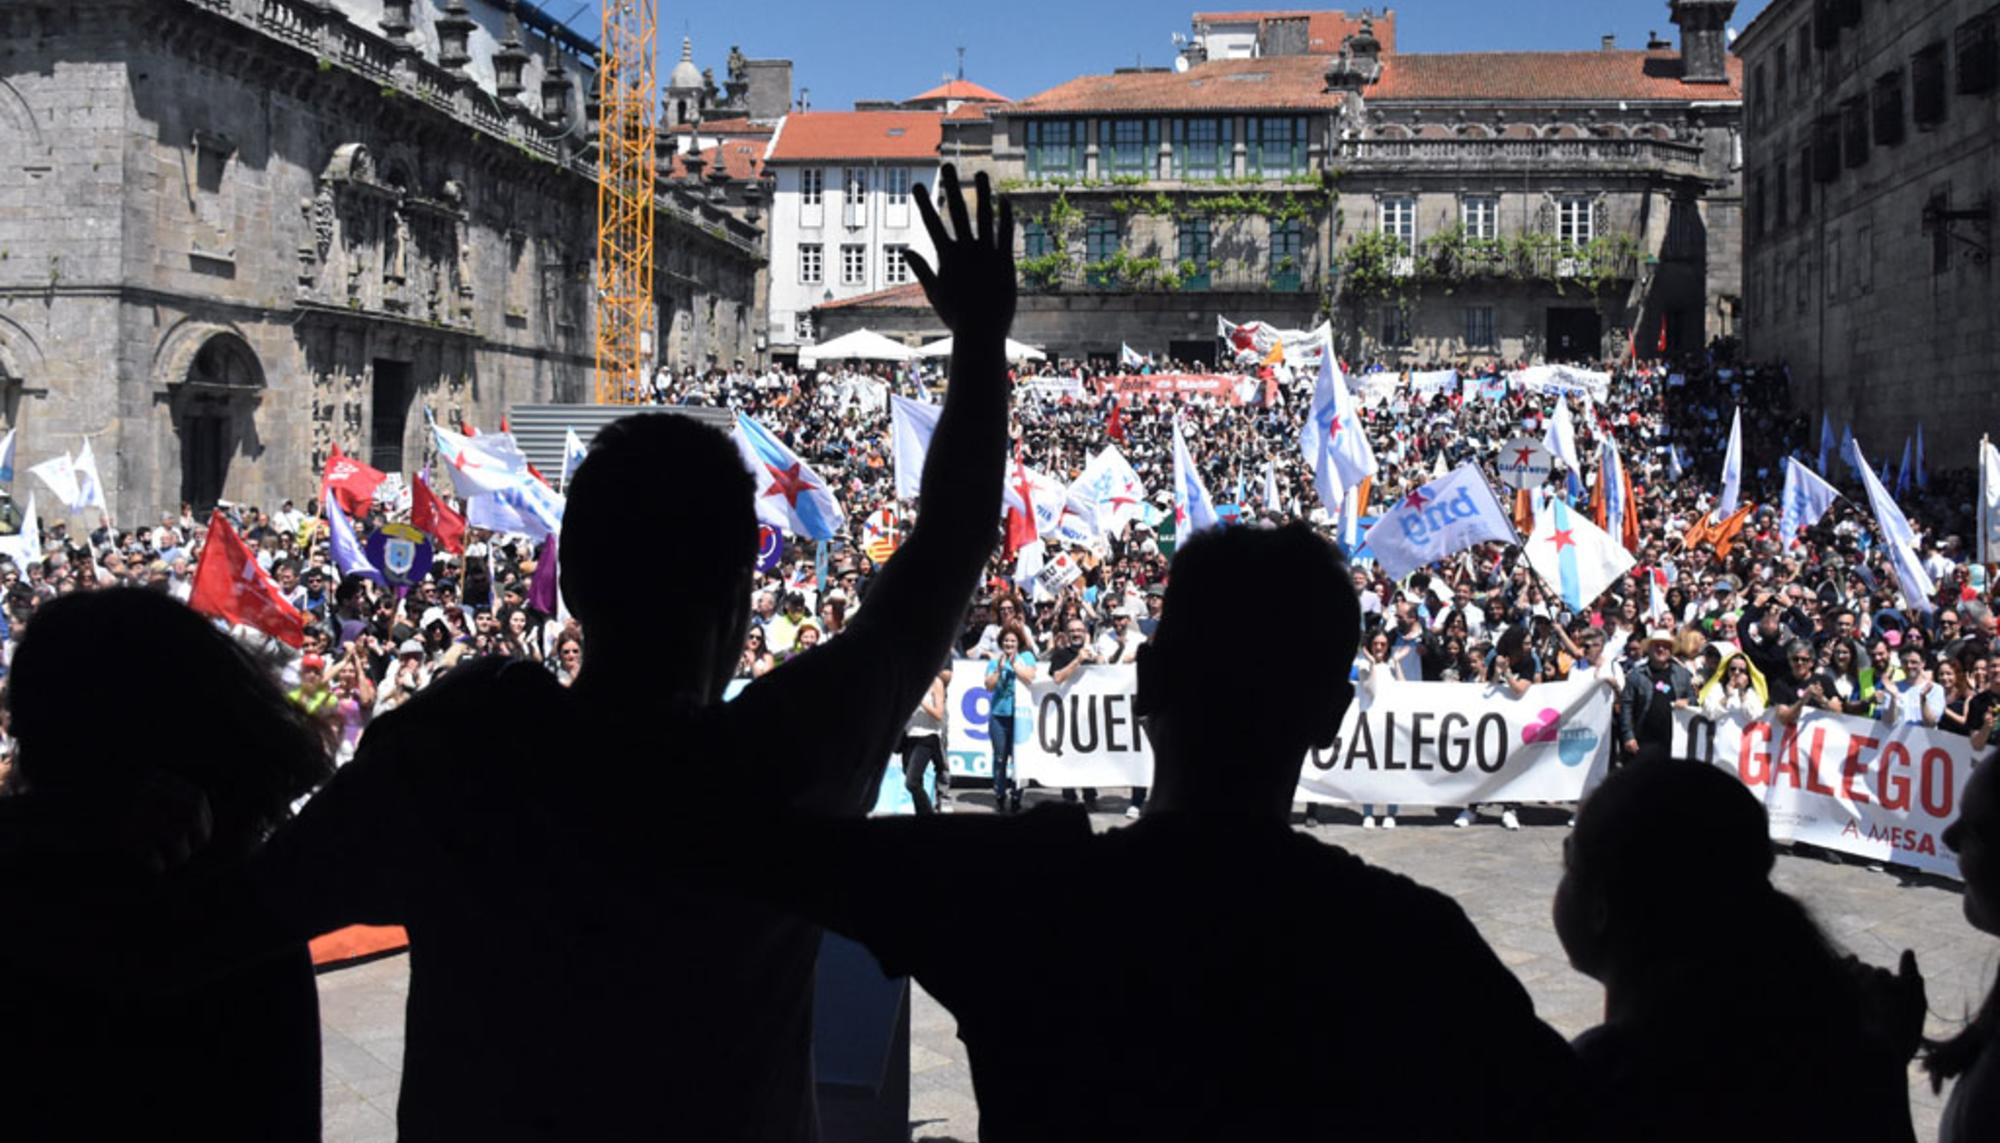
<point x="1504" y="879"/>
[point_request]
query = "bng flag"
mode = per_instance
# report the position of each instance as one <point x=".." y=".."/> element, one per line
<point x="1440" y="519"/>
<point x="1194" y="509"/>
<point x="1807" y="498"/>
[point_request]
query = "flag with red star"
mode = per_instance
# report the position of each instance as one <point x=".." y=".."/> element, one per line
<point x="1574" y="556"/>
<point x="790" y="495"/>
<point x="1335" y="443"/>
<point x="1194" y="508"/>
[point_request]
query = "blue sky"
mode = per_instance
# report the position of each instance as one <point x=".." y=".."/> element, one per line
<point x="893" y="49"/>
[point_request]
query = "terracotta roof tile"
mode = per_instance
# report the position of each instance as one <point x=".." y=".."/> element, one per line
<point x="960" y="89"/>
<point x="1538" y="76"/>
<point x="858" y="135"/>
<point x="1324" y="30"/>
<point x="895" y="297"/>
<point x="1269" y="83"/>
<point x="743" y="161"/>
<point x="968" y="111"/>
<point x="1289" y="83"/>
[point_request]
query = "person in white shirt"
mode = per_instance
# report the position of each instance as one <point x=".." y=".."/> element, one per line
<point x="1918" y="700"/>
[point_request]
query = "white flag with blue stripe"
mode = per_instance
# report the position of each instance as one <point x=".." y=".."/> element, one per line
<point x="1898" y="539"/>
<point x="1732" y="469"/>
<point x="1194" y="509"/>
<point x="1334" y="440"/>
<point x="790" y="495"/>
<point x="7" y="458"/>
<point x="1574" y="556"/>
<point x="1807" y="498"/>
<point x="573" y="454"/>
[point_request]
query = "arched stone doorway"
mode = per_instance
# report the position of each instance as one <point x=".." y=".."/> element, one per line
<point x="215" y="383"/>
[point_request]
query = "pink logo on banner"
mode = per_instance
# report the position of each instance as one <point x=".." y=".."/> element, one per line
<point x="1547" y="728"/>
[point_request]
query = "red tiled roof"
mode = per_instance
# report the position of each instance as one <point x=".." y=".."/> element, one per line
<point x="1298" y="83"/>
<point x="893" y="298"/>
<point x="1267" y="84"/>
<point x="737" y="126"/>
<point x="743" y="161"/>
<point x="1325" y="31"/>
<point x="968" y="111"/>
<point x="1536" y="76"/>
<point x="858" y="135"/>
<point x="960" y="89"/>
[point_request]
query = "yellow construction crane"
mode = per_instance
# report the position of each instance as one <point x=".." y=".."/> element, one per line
<point x="628" y="130"/>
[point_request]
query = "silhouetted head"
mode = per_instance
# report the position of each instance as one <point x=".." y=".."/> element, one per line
<point x="1667" y="859"/>
<point x="1975" y="837"/>
<point x="249" y="750"/>
<point x="1232" y="700"/>
<point x="662" y="508"/>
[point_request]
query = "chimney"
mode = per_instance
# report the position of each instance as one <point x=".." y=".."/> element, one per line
<point x="1610" y="43"/>
<point x="1704" y="39"/>
<point x="1655" y="44"/>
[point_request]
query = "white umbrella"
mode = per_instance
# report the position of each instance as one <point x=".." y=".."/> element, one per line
<point x="861" y="345"/>
<point x="1016" y="351"/>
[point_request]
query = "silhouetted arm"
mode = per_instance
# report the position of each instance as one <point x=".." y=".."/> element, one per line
<point x="860" y="688"/>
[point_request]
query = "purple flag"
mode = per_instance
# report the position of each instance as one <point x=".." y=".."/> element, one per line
<point x="542" y="588"/>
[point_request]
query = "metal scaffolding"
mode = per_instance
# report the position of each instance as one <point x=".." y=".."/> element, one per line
<point x="626" y="77"/>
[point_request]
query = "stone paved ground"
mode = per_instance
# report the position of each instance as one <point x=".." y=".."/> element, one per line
<point x="1504" y="880"/>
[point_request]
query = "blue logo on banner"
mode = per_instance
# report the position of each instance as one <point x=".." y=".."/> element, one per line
<point x="1576" y="745"/>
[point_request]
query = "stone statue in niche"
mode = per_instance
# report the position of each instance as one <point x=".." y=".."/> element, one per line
<point x="396" y="248"/>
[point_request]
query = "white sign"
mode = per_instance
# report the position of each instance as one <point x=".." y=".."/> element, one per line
<point x="1525" y="463"/>
<point x="1842" y="782"/>
<point x="1443" y="744"/>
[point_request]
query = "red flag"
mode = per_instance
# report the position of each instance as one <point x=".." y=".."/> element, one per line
<point x="1114" y="425"/>
<point x="430" y="515"/>
<point x="350" y="482"/>
<point x="1663" y="333"/>
<point x="228" y="584"/>
<point x="537" y="474"/>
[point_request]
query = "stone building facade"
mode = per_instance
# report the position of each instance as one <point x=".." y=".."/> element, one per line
<point x="1874" y="161"/>
<point x="235" y="233"/>
<point x="1438" y="206"/>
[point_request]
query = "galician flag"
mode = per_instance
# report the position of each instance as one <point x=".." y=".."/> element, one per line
<point x="1445" y="517"/>
<point x="573" y="454"/>
<point x="1988" y="508"/>
<point x="476" y="467"/>
<point x="1732" y="469"/>
<point x="1129" y="358"/>
<point x="1899" y="540"/>
<point x="1108" y="495"/>
<point x="25" y="546"/>
<point x="1574" y="556"/>
<point x="1561" y="437"/>
<point x="790" y="495"/>
<point x="1194" y="509"/>
<point x="1807" y="498"/>
<point x="89" y="485"/>
<point x="911" y="425"/>
<point x="526" y="506"/>
<point x="7" y="458"/>
<point x="59" y="473"/>
<point x="1335" y="443"/>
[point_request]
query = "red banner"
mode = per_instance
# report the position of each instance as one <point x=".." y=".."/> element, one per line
<point x="1220" y="386"/>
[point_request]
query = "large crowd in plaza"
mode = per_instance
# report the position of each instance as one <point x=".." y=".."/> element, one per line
<point x="1757" y="622"/>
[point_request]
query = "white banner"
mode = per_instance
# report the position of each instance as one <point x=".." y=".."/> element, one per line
<point x="1426" y="744"/>
<point x="1842" y="782"/>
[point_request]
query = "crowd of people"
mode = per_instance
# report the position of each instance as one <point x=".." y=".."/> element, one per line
<point x="671" y="960"/>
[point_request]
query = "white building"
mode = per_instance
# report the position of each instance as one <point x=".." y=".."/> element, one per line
<point x="841" y="213"/>
<point x="1253" y="34"/>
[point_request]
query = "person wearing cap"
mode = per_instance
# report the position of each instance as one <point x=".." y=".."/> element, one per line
<point x="410" y="674"/>
<point x="1654" y="689"/>
<point x="312" y="693"/>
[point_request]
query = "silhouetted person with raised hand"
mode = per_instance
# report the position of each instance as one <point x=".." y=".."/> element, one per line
<point x="129" y="1008"/>
<point x="1728" y="1016"/>
<point x="1209" y="973"/>
<point x="551" y="995"/>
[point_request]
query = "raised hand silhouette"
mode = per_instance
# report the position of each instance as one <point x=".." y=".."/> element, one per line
<point x="972" y="288"/>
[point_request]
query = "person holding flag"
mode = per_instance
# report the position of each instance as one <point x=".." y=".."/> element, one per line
<point x="513" y="824"/>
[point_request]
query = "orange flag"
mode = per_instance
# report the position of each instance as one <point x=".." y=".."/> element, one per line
<point x="1723" y="536"/>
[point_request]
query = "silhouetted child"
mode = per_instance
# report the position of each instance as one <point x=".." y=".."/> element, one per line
<point x="1209" y="973"/>
<point x="558" y="993"/>
<point x="1728" y="1016"/>
<point x="155" y="756"/>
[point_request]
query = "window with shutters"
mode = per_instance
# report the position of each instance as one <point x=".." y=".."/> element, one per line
<point x="1854" y="131"/>
<point x="1888" y="109"/>
<point x="1574" y="220"/>
<point x="812" y="186"/>
<point x="854" y="265"/>
<point x="1195" y="249"/>
<point x="1927" y="91"/>
<point x="1288" y="244"/>
<point x="812" y="264"/>
<point x="1036" y="240"/>
<point x="1979" y="55"/>
<point x="1399" y="220"/>
<point x="1480" y="215"/>
<point x="895" y="265"/>
<point x="1101" y="243"/>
